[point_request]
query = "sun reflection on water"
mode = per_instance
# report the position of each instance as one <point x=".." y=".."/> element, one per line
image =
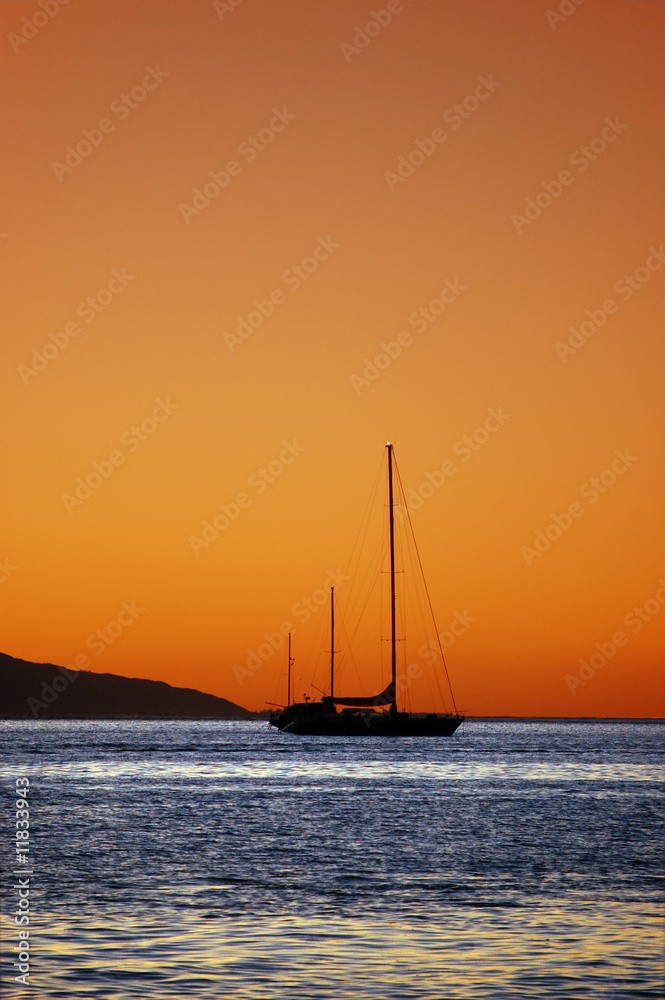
<point x="496" y="952"/>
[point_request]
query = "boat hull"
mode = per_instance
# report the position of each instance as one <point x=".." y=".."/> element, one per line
<point x="366" y="724"/>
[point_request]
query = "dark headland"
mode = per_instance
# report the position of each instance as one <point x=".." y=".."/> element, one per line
<point x="45" y="691"/>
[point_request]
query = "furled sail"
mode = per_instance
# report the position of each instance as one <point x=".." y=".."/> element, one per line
<point x="386" y="697"/>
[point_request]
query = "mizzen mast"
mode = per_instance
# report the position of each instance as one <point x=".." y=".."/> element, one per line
<point x="288" y="675"/>
<point x="332" y="642"/>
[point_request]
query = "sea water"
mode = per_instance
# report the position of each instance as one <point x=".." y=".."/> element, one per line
<point x="226" y="859"/>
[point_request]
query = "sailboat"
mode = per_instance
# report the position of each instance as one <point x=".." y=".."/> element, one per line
<point x="376" y="715"/>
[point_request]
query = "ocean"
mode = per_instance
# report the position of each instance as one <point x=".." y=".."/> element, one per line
<point x="516" y="859"/>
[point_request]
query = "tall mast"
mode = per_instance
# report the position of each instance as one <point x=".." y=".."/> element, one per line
<point x="332" y="641"/>
<point x="288" y="676"/>
<point x="393" y="653"/>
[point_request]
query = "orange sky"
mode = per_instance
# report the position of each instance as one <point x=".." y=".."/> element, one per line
<point x="499" y="162"/>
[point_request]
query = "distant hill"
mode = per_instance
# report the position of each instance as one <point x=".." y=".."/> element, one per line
<point x="44" y="691"/>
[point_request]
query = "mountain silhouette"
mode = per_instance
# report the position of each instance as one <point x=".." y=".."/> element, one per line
<point x="45" y="691"/>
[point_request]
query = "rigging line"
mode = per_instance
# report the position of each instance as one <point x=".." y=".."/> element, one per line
<point x="278" y="685"/>
<point x="350" y="638"/>
<point x="416" y="614"/>
<point x="423" y="593"/>
<point x="429" y="601"/>
<point x="359" y="589"/>
<point x="364" y="524"/>
<point x="411" y="603"/>
<point x="419" y="604"/>
<point x="353" y="595"/>
<point x="350" y="612"/>
<point x="401" y="579"/>
<point x="346" y="655"/>
<point x="319" y="641"/>
<point x="431" y="610"/>
<point x="418" y="611"/>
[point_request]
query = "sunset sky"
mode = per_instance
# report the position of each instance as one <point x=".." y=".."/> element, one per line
<point x="242" y="236"/>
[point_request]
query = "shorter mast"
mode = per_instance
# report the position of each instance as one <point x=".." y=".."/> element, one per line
<point x="332" y="642"/>
<point x="288" y="676"/>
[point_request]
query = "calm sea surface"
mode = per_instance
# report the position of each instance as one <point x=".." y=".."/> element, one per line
<point x="208" y="859"/>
